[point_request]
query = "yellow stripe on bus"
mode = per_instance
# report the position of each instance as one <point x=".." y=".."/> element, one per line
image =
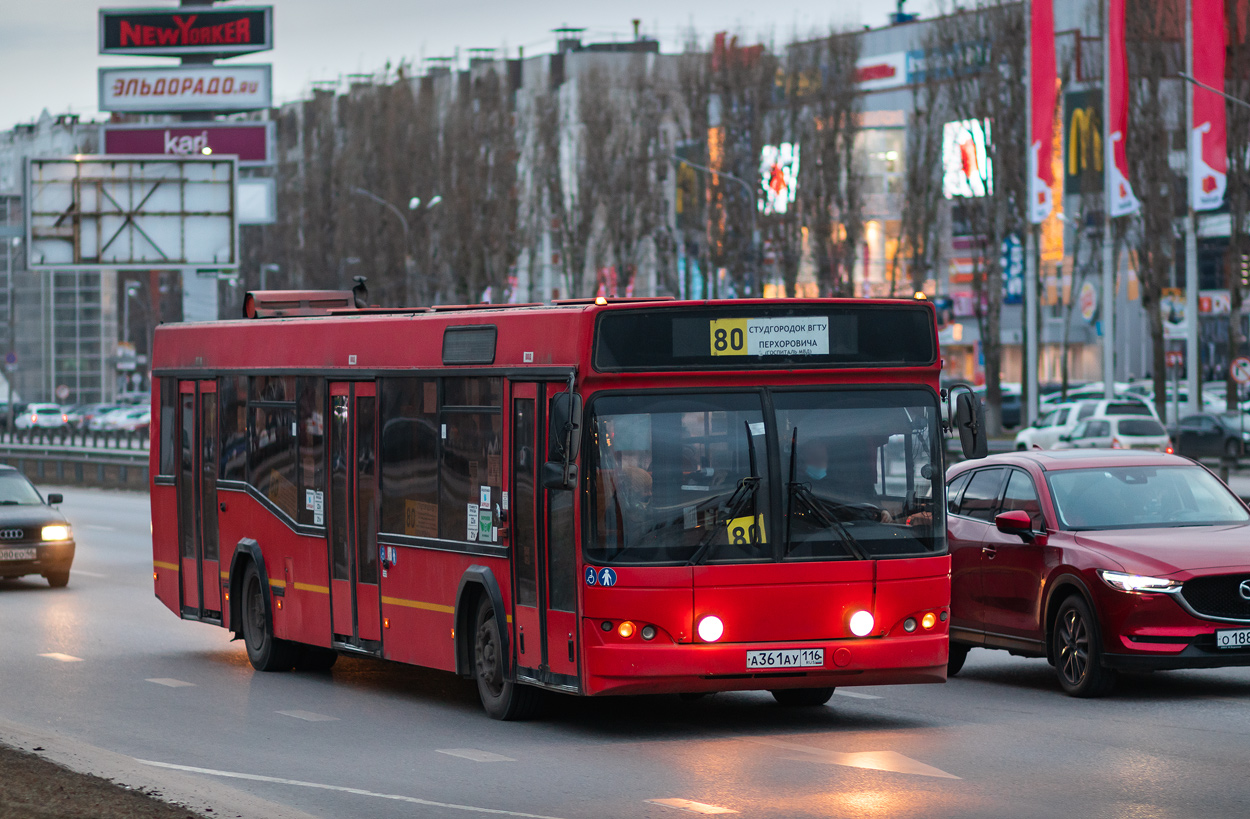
<point x="281" y="584"/>
<point x="160" y="564"/>
<point x="312" y="588"/>
<point x="417" y="604"/>
<point x="225" y="575"/>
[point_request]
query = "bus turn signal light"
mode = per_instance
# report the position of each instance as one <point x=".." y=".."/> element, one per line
<point x="929" y="620"/>
<point x="625" y="629"/>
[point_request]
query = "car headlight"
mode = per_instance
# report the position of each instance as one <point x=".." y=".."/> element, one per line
<point x="1138" y="583"/>
<point x="57" y="531"/>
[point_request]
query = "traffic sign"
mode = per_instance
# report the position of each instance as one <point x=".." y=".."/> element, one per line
<point x="62" y="392"/>
<point x="1174" y="358"/>
<point x="1240" y="370"/>
<point x="10" y="358"/>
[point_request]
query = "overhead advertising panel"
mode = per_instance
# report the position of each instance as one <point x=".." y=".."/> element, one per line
<point x="186" y="88"/>
<point x="106" y="212"/>
<point x="779" y="177"/>
<point x="966" y="168"/>
<point x="220" y="32"/>
<point x="251" y="142"/>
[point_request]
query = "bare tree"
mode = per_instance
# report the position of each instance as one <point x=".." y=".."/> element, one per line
<point x="981" y="52"/>
<point x="922" y="181"/>
<point x="1155" y="55"/>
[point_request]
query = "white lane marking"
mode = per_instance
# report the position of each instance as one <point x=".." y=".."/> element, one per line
<point x="475" y="755"/>
<point x="357" y="791"/>
<point x="86" y="573"/>
<point x="891" y="761"/>
<point x="169" y="681"/>
<point x="841" y="692"/>
<point x="308" y="716"/>
<point x="99" y="527"/>
<point x="690" y="805"/>
<point x="65" y="658"/>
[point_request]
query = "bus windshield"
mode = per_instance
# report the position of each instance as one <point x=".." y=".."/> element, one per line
<point x="686" y="479"/>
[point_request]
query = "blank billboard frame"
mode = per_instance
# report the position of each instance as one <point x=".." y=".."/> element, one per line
<point x="135" y="212"/>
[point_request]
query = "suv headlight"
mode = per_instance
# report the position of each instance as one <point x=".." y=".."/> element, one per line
<point x="57" y="531"/>
<point x="1138" y="583"/>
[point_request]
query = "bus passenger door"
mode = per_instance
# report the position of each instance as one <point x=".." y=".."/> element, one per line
<point x="197" y="499"/>
<point x="354" y="597"/>
<point x="544" y="558"/>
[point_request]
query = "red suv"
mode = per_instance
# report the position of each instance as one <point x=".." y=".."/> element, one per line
<point x="1098" y="560"/>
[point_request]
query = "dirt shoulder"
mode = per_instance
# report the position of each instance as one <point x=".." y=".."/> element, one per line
<point x="34" y="788"/>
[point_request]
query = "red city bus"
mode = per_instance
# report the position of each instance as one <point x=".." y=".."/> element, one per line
<point x="591" y="497"/>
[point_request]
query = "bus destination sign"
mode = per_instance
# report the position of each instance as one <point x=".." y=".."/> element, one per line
<point x="770" y="336"/>
<point x="221" y="32"/>
<point x="764" y="336"/>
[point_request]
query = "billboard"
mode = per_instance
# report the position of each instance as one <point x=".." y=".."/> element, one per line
<point x="186" y="88"/>
<point x="249" y="141"/>
<point x="779" y="177"/>
<point x="98" y="212"/>
<point x="219" y="32"/>
<point x="966" y="170"/>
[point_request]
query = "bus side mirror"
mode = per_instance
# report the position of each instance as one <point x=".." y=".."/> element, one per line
<point x="565" y="427"/>
<point x="970" y="421"/>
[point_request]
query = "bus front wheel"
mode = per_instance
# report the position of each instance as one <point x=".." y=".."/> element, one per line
<point x="264" y="651"/>
<point x="802" y="697"/>
<point x="502" y="698"/>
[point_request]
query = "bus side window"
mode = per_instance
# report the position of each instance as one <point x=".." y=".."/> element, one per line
<point x="169" y="424"/>
<point x="232" y="418"/>
<point x="471" y="471"/>
<point x="409" y="456"/>
<point x="310" y="415"/>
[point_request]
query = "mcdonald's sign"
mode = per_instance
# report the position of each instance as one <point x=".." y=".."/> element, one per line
<point x="1082" y="141"/>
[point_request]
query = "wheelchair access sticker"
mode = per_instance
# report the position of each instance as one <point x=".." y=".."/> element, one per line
<point x="600" y="577"/>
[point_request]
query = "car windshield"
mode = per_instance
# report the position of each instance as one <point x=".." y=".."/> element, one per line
<point x="15" y="490"/>
<point x="1142" y="496"/>
<point x="687" y="479"/>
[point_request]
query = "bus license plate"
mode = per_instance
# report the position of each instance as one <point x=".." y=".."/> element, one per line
<point x="1232" y="638"/>
<point x="17" y="554"/>
<point x="786" y="658"/>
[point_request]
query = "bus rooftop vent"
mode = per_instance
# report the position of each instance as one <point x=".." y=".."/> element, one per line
<point x="280" y="303"/>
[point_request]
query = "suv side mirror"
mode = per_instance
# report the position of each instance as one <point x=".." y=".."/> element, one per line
<point x="54" y="498"/>
<point x="1015" y="522"/>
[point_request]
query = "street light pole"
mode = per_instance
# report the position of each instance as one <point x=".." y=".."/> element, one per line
<point x="414" y="204"/>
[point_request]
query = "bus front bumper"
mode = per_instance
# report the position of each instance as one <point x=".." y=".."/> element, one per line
<point x="672" y="668"/>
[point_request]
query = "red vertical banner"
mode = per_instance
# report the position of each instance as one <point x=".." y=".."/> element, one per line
<point x="1123" y="201"/>
<point x="1042" y="106"/>
<point x="1208" y="173"/>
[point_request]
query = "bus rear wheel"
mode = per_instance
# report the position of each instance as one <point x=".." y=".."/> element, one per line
<point x="802" y="697"/>
<point x="502" y="698"/>
<point x="264" y="651"/>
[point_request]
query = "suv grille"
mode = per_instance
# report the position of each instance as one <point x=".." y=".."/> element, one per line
<point x="12" y="534"/>
<point x="1218" y="596"/>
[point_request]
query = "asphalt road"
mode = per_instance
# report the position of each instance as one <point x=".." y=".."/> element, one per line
<point x="128" y="685"/>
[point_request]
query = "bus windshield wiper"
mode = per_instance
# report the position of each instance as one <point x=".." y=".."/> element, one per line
<point x="819" y="510"/>
<point x="743" y="494"/>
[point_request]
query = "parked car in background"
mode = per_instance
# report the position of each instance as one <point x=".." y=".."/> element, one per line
<point x="34" y="537"/>
<point x="1098" y="561"/>
<point x="1045" y="432"/>
<point x="95" y="418"/>
<point x="132" y="420"/>
<point x="1213" y="435"/>
<point x="1085" y="392"/>
<point x="1117" y="432"/>
<point x="41" y="416"/>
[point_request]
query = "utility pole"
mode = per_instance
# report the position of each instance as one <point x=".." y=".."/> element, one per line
<point x="1193" y="370"/>
<point x="1107" y="308"/>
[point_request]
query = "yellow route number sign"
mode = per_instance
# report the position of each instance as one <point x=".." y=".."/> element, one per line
<point x="743" y="531"/>
<point x="729" y="336"/>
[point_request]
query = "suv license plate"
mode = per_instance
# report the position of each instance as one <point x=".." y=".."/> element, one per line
<point x="786" y="658"/>
<point x="17" y="554"/>
<point x="1232" y="638"/>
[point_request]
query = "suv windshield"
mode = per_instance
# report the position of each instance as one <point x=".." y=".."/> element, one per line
<point x="684" y="479"/>
<point x="1142" y="496"/>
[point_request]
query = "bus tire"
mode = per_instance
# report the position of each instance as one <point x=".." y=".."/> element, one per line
<point x="802" y="697"/>
<point x="264" y="651"/>
<point x="502" y="698"/>
<point x="316" y="658"/>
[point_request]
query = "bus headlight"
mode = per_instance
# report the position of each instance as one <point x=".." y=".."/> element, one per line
<point x="711" y="628"/>
<point x="861" y="623"/>
<point x="55" y="532"/>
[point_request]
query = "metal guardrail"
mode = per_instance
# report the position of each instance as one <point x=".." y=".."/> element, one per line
<point x="118" y="461"/>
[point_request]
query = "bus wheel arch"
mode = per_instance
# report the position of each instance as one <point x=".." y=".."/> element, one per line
<point x="478" y="583"/>
<point x="246" y="552"/>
